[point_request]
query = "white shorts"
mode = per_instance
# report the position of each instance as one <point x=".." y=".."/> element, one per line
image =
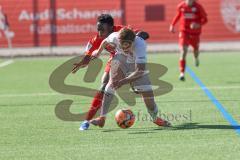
<point x="119" y="64"/>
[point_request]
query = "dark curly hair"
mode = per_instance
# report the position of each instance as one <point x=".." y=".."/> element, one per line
<point x="106" y="18"/>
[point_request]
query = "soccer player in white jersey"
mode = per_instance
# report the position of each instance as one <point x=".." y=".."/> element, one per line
<point x="128" y="66"/>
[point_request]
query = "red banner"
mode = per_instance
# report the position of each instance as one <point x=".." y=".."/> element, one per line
<point x="74" y="22"/>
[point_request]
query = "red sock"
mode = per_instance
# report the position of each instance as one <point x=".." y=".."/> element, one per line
<point x="182" y="64"/>
<point x="96" y="104"/>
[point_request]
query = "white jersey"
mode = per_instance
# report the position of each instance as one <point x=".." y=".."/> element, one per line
<point x="139" y="48"/>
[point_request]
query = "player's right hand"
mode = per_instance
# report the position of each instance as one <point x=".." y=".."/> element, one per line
<point x="171" y="29"/>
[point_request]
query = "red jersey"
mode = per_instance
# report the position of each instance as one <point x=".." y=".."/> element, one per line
<point x="188" y="15"/>
<point x="96" y="41"/>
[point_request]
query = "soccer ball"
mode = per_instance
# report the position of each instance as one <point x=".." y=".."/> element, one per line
<point x="125" y="118"/>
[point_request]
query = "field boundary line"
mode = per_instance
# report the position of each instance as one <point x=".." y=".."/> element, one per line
<point x="214" y="100"/>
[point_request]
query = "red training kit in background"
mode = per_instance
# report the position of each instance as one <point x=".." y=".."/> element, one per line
<point x="188" y="15"/>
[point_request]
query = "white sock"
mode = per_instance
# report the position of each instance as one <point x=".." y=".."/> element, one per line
<point x="107" y="99"/>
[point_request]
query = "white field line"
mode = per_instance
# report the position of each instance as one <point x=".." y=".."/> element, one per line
<point x="59" y="94"/>
<point x="5" y="63"/>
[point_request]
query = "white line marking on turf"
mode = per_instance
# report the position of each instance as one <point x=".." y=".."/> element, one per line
<point x="59" y="94"/>
<point x="5" y="63"/>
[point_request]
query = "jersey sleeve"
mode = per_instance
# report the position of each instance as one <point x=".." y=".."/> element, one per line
<point x="92" y="45"/>
<point x="140" y="50"/>
<point x="88" y="48"/>
<point x="177" y="16"/>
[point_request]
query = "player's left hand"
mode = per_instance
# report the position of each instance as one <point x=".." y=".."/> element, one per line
<point x="172" y="29"/>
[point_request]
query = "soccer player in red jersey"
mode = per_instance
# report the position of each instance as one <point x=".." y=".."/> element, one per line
<point x="105" y="26"/>
<point x="192" y="17"/>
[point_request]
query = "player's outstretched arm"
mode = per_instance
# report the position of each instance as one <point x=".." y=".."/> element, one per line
<point x="83" y="63"/>
<point x="92" y="45"/>
<point x="87" y="58"/>
<point x="174" y="21"/>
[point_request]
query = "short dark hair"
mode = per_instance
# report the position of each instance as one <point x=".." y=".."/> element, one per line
<point x="127" y="34"/>
<point x="106" y="18"/>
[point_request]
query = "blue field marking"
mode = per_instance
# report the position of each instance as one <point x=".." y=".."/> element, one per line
<point x="218" y="105"/>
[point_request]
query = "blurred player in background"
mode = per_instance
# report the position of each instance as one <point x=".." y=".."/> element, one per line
<point x="105" y="26"/>
<point x="128" y="66"/>
<point x="4" y="27"/>
<point x="192" y="17"/>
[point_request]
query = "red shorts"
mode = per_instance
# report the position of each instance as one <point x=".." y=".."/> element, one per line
<point x="189" y="39"/>
<point x="108" y="65"/>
